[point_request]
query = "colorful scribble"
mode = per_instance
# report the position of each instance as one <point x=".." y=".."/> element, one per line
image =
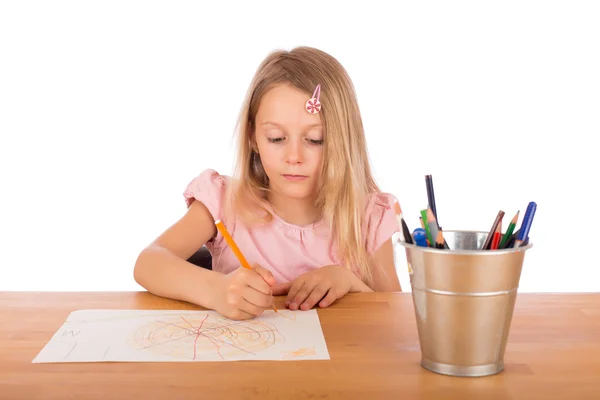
<point x="194" y="336"/>
<point x="303" y="352"/>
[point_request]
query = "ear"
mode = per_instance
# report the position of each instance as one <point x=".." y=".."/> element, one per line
<point x="252" y="140"/>
<point x="253" y="145"/>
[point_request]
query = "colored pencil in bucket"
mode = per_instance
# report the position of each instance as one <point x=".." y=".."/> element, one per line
<point x="407" y="237"/>
<point x="509" y="230"/>
<point x="490" y="236"/>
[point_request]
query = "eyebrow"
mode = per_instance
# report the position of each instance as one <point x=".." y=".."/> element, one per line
<point x="281" y="126"/>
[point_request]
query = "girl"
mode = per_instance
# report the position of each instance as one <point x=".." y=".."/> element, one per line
<point x="302" y="206"/>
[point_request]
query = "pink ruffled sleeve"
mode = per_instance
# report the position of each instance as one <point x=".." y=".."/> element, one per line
<point x="208" y="188"/>
<point x="380" y="221"/>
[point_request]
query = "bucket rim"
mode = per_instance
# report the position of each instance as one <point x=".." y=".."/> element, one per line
<point x="478" y="252"/>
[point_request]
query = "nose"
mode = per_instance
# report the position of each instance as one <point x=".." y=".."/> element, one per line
<point x="295" y="152"/>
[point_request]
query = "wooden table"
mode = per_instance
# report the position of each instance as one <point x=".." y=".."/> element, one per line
<point x="553" y="351"/>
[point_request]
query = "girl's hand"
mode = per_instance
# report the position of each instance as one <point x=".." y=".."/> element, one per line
<point x="323" y="286"/>
<point x="243" y="293"/>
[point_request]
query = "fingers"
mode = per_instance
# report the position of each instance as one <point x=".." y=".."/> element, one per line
<point x="250" y="308"/>
<point x="315" y="296"/>
<point x="237" y="305"/>
<point x="329" y="299"/>
<point x="255" y="281"/>
<point x="280" y="289"/>
<point x="257" y="298"/>
<point x="239" y="315"/>
<point x="246" y="295"/>
<point x="305" y="290"/>
<point x="294" y="289"/>
<point x="265" y="274"/>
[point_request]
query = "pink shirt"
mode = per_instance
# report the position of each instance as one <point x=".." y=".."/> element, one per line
<point x="285" y="249"/>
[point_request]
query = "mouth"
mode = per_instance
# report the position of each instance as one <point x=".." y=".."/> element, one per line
<point x="291" y="177"/>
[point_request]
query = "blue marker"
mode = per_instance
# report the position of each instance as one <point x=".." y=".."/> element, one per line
<point x="526" y="224"/>
<point x="420" y="237"/>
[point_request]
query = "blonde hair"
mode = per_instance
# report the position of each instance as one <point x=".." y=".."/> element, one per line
<point x="346" y="179"/>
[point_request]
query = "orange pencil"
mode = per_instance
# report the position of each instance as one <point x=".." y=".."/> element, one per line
<point x="234" y="247"/>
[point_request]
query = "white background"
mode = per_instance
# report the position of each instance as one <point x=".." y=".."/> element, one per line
<point x="108" y="109"/>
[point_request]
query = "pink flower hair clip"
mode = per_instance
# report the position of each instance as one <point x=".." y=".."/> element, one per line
<point x="313" y="105"/>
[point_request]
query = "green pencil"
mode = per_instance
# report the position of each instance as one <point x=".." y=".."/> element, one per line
<point x="427" y="231"/>
<point x="509" y="230"/>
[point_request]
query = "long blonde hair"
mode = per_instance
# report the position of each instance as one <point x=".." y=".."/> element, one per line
<point x="346" y="179"/>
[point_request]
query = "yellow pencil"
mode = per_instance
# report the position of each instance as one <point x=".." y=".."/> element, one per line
<point x="234" y="247"/>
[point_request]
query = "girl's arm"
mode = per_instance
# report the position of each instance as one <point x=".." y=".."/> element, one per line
<point x="162" y="269"/>
<point x="385" y="278"/>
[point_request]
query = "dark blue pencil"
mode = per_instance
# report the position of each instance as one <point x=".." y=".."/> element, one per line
<point x="431" y="195"/>
<point x="526" y="224"/>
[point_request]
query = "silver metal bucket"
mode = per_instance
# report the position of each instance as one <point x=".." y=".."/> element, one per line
<point x="464" y="300"/>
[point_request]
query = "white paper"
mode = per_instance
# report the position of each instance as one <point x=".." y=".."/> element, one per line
<point x="168" y="335"/>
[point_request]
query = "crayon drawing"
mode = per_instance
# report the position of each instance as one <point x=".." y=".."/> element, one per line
<point x="304" y="352"/>
<point x="184" y="336"/>
<point x="192" y="336"/>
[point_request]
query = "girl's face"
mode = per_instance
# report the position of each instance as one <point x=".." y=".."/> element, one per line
<point x="289" y="141"/>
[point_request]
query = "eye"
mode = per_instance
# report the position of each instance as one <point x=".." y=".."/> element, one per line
<point x="275" y="140"/>
<point x="314" y="141"/>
